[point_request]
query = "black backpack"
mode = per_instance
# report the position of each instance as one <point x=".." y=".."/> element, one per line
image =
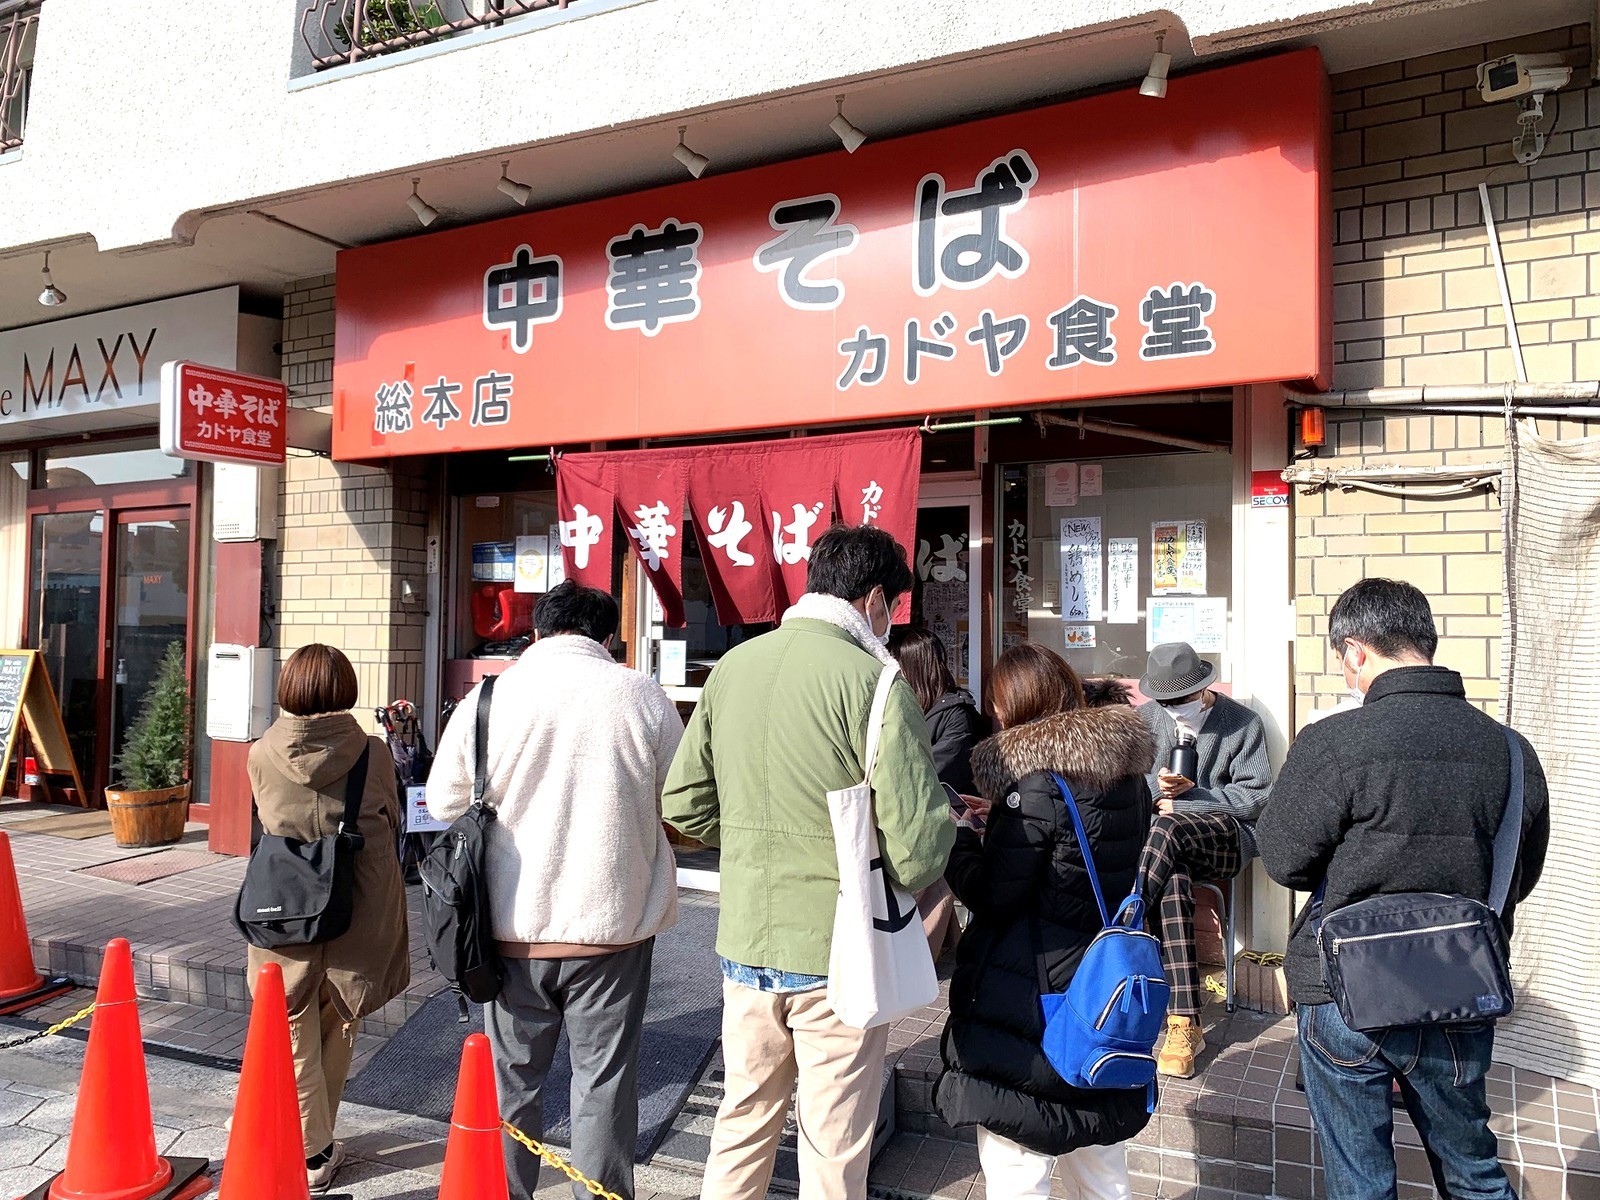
<point x="455" y="886"/>
<point x="300" y="893"/>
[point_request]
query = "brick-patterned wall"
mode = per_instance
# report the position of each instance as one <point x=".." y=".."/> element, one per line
<point x="1416" y="302"/>
<point x="349" y="534"/>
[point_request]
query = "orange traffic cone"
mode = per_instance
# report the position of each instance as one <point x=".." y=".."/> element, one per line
<point x="112" y="1151"/>
<point x="266" y="1160"/>
<point x="474" y="1164"/>
<point x="20" y="985"/>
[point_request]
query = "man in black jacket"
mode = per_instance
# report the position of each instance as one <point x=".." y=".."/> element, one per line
<point x="1404" y="794"/>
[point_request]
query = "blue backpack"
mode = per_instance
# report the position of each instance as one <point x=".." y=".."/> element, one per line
<point x="1102" y="1031"/>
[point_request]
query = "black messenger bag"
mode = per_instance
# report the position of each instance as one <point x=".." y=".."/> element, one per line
<point x="300" y="893"/>
<point x="1425" y="958"/>
<point x="455" y="886"/>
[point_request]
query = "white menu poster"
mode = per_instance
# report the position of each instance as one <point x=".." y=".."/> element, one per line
<point x="1081" y="569"/>
<point x="1122" y="581"/>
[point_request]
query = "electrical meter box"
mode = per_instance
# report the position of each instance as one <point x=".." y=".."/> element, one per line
<point x="244" y="502"/>
<point x="238" y="693"/>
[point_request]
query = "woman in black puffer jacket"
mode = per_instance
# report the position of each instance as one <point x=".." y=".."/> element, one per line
<point x="1028" y="875"/>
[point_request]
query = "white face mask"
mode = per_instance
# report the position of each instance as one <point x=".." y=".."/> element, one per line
<point x="1189" y="713"/>
<point x="888" y="621"/>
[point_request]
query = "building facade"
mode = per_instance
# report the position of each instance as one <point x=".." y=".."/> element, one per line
<point x="357" y="161"/>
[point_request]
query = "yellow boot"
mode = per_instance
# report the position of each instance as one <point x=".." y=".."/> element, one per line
<point x="1185" y="1042"/>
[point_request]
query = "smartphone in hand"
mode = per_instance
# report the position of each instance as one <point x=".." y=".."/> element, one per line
<point x="959" y="810"/>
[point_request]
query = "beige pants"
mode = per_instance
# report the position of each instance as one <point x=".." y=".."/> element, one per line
<point x="770" y="1041"/>
<point x="322" y="1045"/>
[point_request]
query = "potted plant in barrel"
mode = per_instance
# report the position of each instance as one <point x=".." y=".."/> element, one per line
<point x="151" y="802"/>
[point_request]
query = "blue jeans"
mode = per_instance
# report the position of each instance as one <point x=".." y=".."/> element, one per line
<point x="1440" y="1070"/>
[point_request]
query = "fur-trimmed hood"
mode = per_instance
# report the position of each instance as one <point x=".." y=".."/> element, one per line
<point x="1091" y="746"/>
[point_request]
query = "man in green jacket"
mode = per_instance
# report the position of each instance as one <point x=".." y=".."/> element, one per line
<point x="782" y="722"/>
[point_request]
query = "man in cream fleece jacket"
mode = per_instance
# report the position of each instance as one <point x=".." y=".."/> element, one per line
<point x="581" y="876"/>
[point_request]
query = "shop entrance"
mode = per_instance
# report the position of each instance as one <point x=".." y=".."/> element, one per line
<point x="110" y="587"/>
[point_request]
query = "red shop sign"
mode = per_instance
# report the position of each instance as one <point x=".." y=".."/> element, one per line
<point x="1107" y="246"/>
<point x="756" y="507"/>
<point x="222" y="416"/>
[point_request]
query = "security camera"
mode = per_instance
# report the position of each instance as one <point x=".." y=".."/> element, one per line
<point x="1525" y="78"/>
<point x="1518" y="75"/>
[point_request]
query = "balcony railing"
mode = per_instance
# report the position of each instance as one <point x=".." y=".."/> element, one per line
<point x="346" y="31"/>
<point x="19" y="22"/>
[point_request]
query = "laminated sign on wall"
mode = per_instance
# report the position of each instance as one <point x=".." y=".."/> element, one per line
<point x="1202" y="621"/>
<point x="1178" y="558"/>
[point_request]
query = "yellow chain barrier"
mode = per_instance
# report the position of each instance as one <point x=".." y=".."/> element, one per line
<point x="555" y="1160"/>
<point x="80" y="1015"/>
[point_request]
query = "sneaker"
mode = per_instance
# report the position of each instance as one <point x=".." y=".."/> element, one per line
<point x="1185" y="1042"/>
<point x="320" y="1178"/>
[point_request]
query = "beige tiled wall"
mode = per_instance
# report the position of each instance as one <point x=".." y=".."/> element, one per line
<point x="349" y="534"/>
<point x="1416" y="302"/>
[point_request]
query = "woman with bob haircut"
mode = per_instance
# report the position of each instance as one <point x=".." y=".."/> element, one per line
<point x="1034" y="911"/>
<point x="297" y="773"/>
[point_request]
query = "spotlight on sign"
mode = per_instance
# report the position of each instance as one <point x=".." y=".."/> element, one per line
<point x="1155" y="79"/>
<point x="693" y="163"/>
<point x="845" y="131"/>
<point x="52" y="295"/>
<point x="508" y="186"/>
<point x="425" y="213"/>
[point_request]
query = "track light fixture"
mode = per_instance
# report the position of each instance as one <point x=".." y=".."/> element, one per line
<point x="425" y="213"/>
<point x="845" y="131"/>
<point x="510" y="187"/>
<point x="52" y="295"/>
<point x="695" y="164"/>
<point x="1155" y="80"/>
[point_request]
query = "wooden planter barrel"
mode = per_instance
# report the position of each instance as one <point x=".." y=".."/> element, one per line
<point x="148" y="818"/>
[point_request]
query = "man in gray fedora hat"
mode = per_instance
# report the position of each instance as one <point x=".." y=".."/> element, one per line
<point x="1204" y="828"/>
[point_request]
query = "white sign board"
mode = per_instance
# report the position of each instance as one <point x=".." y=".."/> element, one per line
<point x="1081" y="569"/>
<point x="418" y="818"/>
<point x="1122" y="581"/>
<point x="1202" y="621"/>
<point x="103" y="370"/>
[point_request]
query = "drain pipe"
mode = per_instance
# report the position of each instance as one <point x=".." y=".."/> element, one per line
<point x="1505" y="290"/>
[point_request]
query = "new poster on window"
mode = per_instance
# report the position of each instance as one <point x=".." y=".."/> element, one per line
<point x="1178" y="558"/>
<point x="1122" y="581"/>
<point x="1202" y="621"/>
<point x="1081" y="570"/>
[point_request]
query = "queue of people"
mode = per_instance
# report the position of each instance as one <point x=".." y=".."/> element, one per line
<point x="584" y="759"/>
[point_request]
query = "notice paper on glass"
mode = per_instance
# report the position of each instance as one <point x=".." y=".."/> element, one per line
<point x="533" y="563"/>
<point x="674" y="664"/>
<point x="1122" y="581"/>
<point x="1080" y="637"/>
<point x="1090" y="479"/>
<point x="1202" y="621"/>
<point x="1081" y="569"/>
<point x="556" y="568"/>
<point x="1061" y="485"/>
<point x="1178" y="558"/>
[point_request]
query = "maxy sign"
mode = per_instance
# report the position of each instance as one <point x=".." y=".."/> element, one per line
<point x="42" y="390"/>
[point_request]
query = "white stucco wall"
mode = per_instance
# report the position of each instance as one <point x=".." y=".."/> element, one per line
<point x="147" y="114"/>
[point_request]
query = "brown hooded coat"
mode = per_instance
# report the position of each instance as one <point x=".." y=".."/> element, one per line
<point x="297" y="773"/>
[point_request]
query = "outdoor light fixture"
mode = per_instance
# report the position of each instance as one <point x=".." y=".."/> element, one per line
<point x="1155" y="80"/>
<point x="510" y="187"/>
<point x="425" y="213"/>
<point x="52" y="295"/>
<point x="1313" y="428"/>
<point x="845" y="131"/>
<point x="693" y="163"/>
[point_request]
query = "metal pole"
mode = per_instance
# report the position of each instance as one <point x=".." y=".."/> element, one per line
<point x="1505" y="290"/>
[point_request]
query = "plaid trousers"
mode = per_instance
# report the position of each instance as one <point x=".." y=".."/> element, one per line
<point x="1180" y="848"/>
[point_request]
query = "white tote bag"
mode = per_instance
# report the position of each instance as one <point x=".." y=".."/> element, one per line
<point x="880" y="968"/>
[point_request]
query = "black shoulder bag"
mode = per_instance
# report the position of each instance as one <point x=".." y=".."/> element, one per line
<point x="1425" y="958"/>
<point x="455" y="885"/>
<point x="300" y="893"/>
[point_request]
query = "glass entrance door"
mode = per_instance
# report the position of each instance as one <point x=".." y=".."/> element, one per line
<point x="152" y="608"/>
<point x="103" y="644"/>
<point x="68" y="567"/>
